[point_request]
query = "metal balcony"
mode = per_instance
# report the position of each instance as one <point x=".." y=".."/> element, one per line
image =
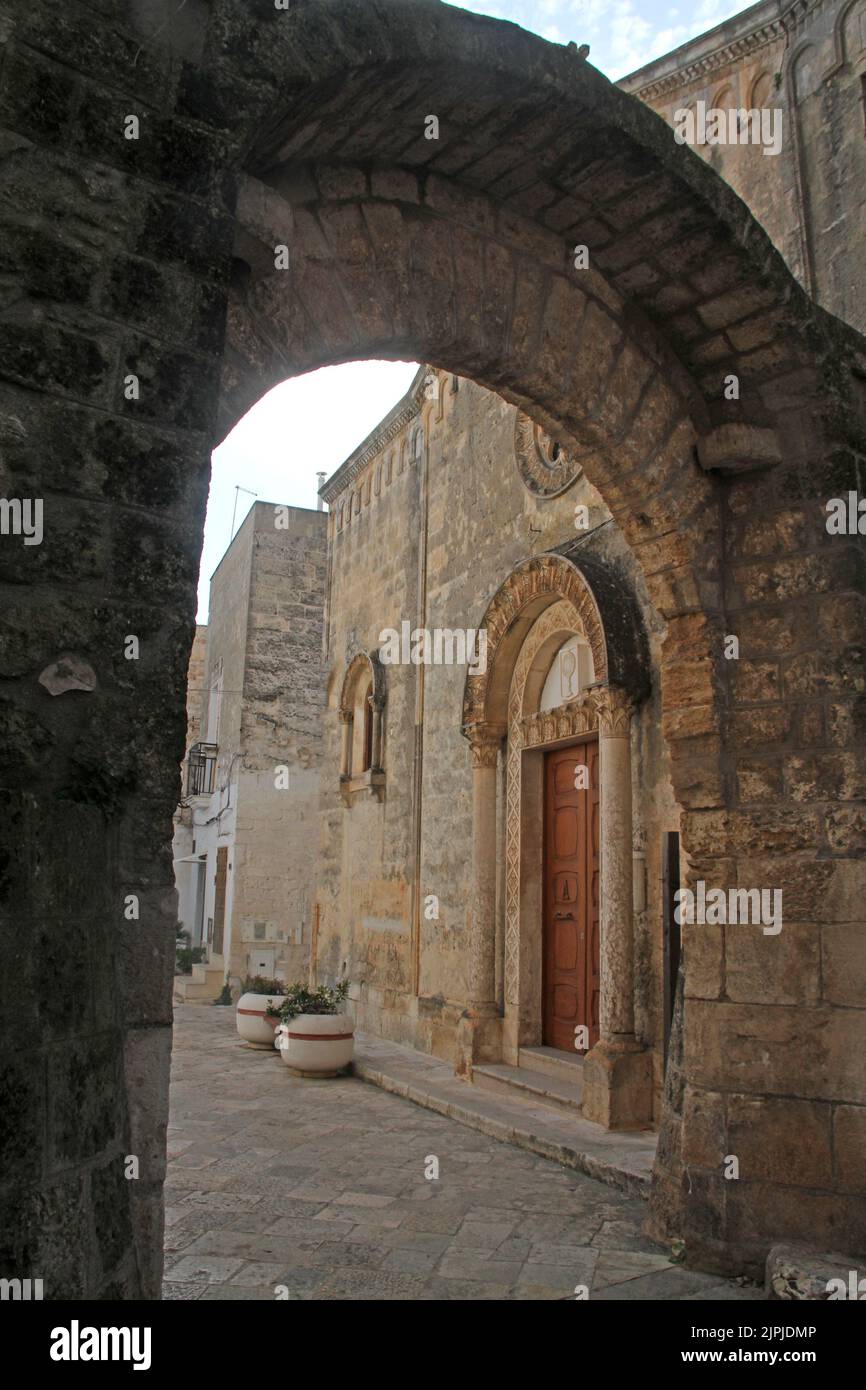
<point x="201" y="769"/>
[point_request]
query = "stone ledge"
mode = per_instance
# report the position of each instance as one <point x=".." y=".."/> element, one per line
<point x="623" y="1161"/>
<point x="737" y="448"/>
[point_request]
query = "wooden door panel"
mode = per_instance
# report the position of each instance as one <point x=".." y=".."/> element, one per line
<point x="219" y="907"/>
<point x="570" y="944"/>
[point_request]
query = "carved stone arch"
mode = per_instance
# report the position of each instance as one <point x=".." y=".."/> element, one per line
<point x="530" y="588"/>
<point x="601" y="602"/>
<point x="363" y="664"/>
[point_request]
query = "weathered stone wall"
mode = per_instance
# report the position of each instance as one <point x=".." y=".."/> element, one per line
<point x="265" y="637"/>
<point x="806" y="62"/>
<point x="367" y="859"/>
<point x="260" y="126"/>
<point x="283" y="684"/>
<point x="182" y="844"/>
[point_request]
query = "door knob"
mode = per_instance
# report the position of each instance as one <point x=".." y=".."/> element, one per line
<point x="563" y="914"/>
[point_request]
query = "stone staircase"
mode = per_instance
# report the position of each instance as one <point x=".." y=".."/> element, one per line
<point x="544" y="1076"/>
<point x="202" y="986"/>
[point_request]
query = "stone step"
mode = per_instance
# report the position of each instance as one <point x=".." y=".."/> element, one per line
<point x="202" y="986"/>
<point x="206" y="974"/>
<point x="552" y="1061"/>
<point x="622" y="1160"/>
<point x="538" y="1088"/>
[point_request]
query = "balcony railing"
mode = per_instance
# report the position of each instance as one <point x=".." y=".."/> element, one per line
<point x="201" y="769"/>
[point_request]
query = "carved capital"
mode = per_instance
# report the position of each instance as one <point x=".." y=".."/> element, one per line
<point x="614" y="710"/>
<point x="485" y="741"/>
<point x="345" y="715"/>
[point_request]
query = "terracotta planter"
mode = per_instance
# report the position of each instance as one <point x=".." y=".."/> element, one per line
<point x="254" y="1025"/>
<point x="317" y="1044"/>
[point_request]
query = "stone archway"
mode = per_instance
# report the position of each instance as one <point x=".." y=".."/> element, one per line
<point x="305" y="128"/>
<point x="541" y="602"/>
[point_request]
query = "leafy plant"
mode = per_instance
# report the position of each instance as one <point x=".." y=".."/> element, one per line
<point x="299" y="999"/>
<point x="185" y="956"/>
<point x="259" y="984"/>
<point x="225" y="994"/>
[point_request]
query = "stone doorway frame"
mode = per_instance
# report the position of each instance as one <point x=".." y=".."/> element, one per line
<point x="530" y="736"/>
<point x="543" y="602"/>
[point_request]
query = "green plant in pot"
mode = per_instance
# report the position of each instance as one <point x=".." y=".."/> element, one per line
<point x="255" y="1023"/>
<point x="185" y="955"/>
<point x="315" y="1036"/>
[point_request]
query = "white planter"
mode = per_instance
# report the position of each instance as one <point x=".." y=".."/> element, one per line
<point x="254" y="1025"/>
<point x="317" y="1044"/>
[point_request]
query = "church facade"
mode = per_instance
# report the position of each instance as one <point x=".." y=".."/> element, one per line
<point x="499" y="846"/>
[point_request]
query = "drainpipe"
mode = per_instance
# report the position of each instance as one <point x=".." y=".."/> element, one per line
<point x="418" y="768"/>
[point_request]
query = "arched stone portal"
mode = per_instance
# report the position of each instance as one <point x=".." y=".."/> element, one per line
<point x="543" y="602"/>
<point x="305" y="129"/>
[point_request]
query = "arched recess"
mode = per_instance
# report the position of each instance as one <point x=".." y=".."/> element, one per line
<point x="601" y="601"/>
<point x="361" y="706"/>
<point x="541" y="603"/>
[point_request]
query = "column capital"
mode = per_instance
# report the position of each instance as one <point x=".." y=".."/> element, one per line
<point x="614" y="709"/>
<point x="484" y="742"/>
<point x="345" y="715"/>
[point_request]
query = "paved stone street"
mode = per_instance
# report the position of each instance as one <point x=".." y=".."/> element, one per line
<point x="320" y="1186"/>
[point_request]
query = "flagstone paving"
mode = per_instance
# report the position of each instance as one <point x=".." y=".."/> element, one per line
<point x="319" y="1188"/>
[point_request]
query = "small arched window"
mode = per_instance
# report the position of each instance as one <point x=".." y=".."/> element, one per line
<point x="361" y="708"/>
<point x="367" y="746"/>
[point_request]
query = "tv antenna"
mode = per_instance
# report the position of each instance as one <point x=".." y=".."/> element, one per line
<point x="238" y="489"/>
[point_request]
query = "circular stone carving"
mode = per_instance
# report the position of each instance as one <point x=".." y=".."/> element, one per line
<point x="545" y="467"/>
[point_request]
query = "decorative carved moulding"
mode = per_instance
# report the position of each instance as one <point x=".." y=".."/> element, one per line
<point x="613" y="709"/>
<point x="545" y="467"/>
<point x="565" y="721"/>
<point x="543" y="574"/>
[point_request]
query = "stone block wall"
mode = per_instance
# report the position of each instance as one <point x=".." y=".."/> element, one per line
<point x="464" y="508"/>
<point x="154" y="259"/>
<point x="808" y="63"/>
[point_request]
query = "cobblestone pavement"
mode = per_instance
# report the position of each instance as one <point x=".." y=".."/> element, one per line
<point x="320" y="1186"/>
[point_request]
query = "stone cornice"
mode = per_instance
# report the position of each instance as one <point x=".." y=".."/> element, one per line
<point x="770" y="27"/>
<point x="396" y="420"/>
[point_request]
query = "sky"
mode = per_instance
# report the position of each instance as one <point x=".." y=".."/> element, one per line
<point x="312" y="423"/>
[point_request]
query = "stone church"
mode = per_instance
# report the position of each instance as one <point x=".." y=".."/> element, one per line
<point x="589" y="643"/>
<point x="498" y="823"/>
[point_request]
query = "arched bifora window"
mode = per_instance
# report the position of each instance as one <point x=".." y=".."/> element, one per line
<point x="362" y="702"/>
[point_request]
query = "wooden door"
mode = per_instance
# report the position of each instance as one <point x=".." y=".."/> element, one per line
<point x="570" y="939"/>
<point x="219" y="906"/>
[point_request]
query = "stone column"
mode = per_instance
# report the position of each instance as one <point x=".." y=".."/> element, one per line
<point x="377" y="705"/>
<point x="617" y="1072"/>
<point x="478" y="1036"/>
<point x="616" y="915"/>
<point x="485" y="744"/>
<point x="345" y="741"/>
